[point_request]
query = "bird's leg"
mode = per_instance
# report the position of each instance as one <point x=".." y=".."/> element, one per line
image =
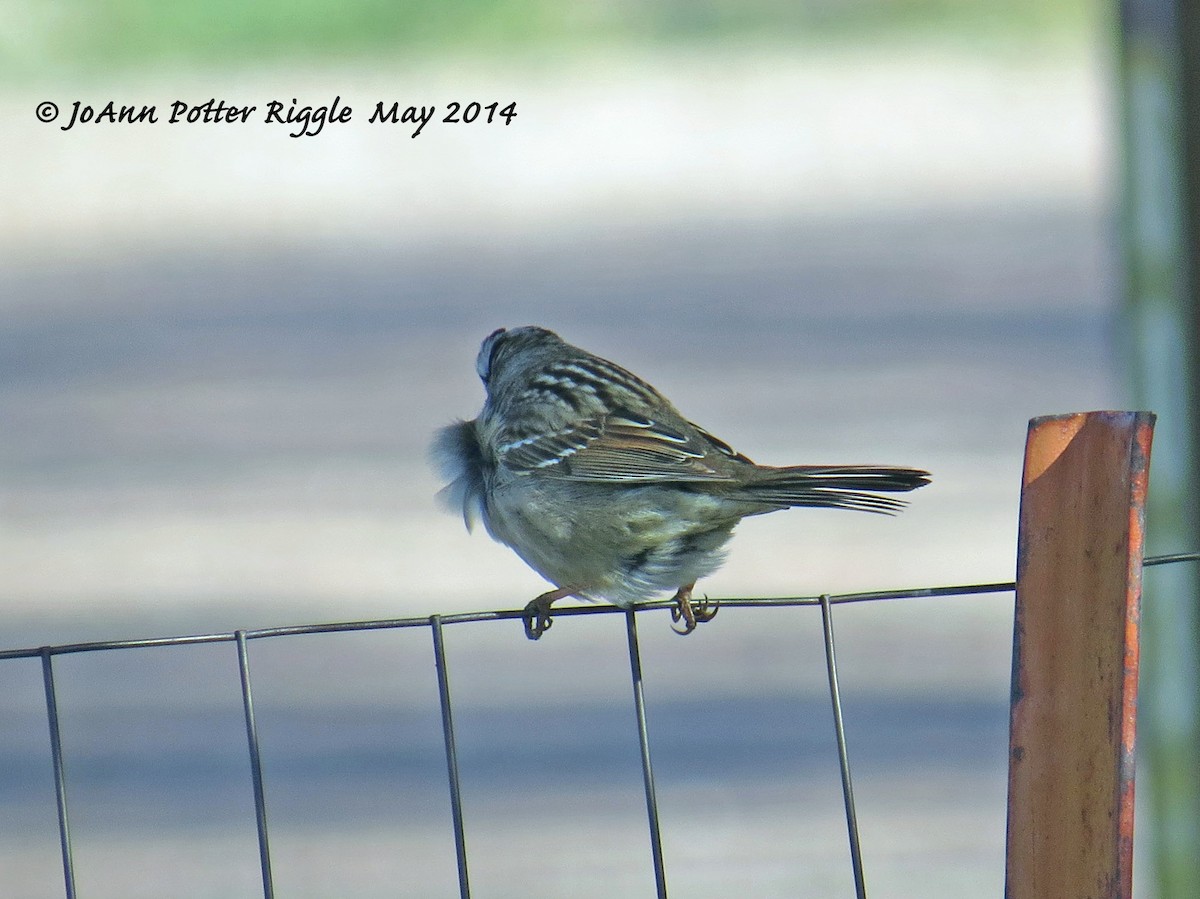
<point x="537" y="613"/>
<point x="687" y="613"/>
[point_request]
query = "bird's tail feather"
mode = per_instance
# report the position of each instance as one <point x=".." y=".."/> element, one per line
<point x="835" y="486"/>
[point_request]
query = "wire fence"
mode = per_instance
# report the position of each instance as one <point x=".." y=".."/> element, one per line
<point x="436" y="625"/>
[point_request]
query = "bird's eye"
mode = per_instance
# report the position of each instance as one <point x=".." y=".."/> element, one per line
<point x="487" y="351"/>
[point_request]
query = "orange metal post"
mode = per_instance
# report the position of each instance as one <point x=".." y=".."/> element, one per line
<point x="1075" y="656"/>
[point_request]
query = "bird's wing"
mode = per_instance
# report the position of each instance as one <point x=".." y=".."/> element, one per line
<point x="621" y="446"/>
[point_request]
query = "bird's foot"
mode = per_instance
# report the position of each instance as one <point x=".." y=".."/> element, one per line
<point x="691" y="615"/>
<point x="537" y="614"/>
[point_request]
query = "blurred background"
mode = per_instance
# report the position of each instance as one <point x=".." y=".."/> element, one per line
<point x="872" y="231"/>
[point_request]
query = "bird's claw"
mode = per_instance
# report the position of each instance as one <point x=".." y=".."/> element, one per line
<point x="537" y="619"/>
<point x="692" y="615"/>
<point x="537" y="613"/>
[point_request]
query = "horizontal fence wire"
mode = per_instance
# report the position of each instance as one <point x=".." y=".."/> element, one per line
<point x="436" y="623"/>
<point x="501" y="615"/>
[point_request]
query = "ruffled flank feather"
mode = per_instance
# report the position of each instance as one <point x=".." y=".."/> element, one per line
<point x="456" y="454"/>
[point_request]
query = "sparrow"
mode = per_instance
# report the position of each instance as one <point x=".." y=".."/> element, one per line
<point x="605" y="489"/>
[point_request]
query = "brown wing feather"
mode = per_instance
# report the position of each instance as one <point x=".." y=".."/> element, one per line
<point x="617" y="447"/>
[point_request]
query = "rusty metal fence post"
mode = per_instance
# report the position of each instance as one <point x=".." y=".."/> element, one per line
<point x="1075" y="656"/>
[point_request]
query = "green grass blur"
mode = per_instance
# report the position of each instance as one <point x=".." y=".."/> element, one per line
<point x="73" y="36"/>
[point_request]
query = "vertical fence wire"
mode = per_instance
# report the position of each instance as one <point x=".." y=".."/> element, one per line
<point x="639" y="704"/>
<point x="60" y="777"/>
<point x="456" y="811"/>
<point x="260" y="803"/>
<point x="860" y="887"/>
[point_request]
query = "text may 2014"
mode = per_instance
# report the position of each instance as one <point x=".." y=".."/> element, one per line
<point x="306" y="120"/>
